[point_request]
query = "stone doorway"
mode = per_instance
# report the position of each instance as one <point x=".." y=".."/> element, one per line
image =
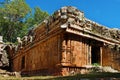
<point x="95" y="55"/>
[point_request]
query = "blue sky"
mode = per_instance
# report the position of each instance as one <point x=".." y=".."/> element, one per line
<point x="105" y="12"/>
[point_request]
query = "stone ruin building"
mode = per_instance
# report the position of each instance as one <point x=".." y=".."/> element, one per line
<point x="66" y="43"/>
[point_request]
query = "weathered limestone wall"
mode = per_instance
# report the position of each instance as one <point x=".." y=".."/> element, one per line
<point x="17" y="64"/>
<point x="77" y="48"/>
<point x="77" y="53"/>
<point x="111" y="57"/>
<point x="40" y="55"/>
<point x="74" y="54"/>
<point x="43" y="57"/>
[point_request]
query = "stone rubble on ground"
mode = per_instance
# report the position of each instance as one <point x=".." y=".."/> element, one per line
<point x="4" y="61"/>
<point x="109" y="69"/>
<point x="103" y="69"/>
<point x="5" y="73"/>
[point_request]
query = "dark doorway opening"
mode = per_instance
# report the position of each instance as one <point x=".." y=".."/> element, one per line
<point x="23" y="62"/>
<point x="95" y="54"/>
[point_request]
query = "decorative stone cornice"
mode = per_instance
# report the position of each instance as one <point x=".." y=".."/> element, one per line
<point x="72" y="15"/>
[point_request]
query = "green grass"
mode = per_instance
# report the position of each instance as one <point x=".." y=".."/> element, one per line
<point x="27" y="78"/>
<point x="91" y="76"/>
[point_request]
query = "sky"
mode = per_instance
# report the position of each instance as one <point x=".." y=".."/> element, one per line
<point x="104" y="12"/>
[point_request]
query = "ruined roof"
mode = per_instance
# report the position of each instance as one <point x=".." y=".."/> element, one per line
<point x="90" y="25"/>
<point x="69" y="15"/>
<point x="78" y="18"/>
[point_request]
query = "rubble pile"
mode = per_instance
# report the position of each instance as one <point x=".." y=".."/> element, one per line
<point x="5" y="73"/>
<point x="4" y="61"/>
<point x="103" y="69"/>
<point x="109" y="69"/>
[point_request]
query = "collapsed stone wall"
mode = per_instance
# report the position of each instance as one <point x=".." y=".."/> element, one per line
<point x="4" y="61"/>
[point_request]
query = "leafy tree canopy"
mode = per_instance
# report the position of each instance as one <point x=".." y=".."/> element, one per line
<point x="16" y="18"/>
<point x="36" y="18"/>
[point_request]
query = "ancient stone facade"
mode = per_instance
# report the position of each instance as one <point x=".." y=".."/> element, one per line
<point x="66" y="43"/>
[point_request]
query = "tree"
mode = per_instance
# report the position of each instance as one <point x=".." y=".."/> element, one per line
<point x="16" y="19"/>
<point x="36" y="18"/>
<point x="39" y="15"/>
<point x="12" y="16"/>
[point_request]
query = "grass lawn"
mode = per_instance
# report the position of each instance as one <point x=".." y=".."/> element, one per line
<point x="91" y="76"/>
